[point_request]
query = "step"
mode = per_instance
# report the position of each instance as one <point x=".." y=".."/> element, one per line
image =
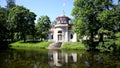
<point x="55" y="45"/>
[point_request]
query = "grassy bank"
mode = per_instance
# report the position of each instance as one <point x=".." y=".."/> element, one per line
<point x="30" y="45"/>
<point x="73" y="46"/>
<point x="45" y="44"/>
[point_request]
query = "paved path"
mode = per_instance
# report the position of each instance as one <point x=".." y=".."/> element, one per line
<point x="55" y="45"/>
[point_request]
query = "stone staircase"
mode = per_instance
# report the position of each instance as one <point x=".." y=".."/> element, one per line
<point x="55" y="45"/>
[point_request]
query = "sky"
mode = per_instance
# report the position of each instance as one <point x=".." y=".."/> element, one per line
<point x="51" y="8"/>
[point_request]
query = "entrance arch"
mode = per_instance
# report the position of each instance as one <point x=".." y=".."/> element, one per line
<point x="59" y="36"/>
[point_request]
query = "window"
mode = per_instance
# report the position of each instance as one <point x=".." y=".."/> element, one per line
<point x="58" y="22"/>
<point x="52" y="36"/>
<point x="59" y="31"/>
<point x="71" y="36"/>
<point x="65" y="21"/>
<point x="59" y="35"/>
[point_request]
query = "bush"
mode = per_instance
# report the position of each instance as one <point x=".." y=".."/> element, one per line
<point x="110" y="44"/>
<point x="117" y="41"/>
<point x="73" y="45"/>
<point x="106" y="46"/>
<point x="117" y="44"/>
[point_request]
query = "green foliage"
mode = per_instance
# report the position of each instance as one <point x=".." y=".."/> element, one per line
<point x="103" y="31"/>
<point x="5" y="34"/>
<point x="110" y="22"/>
<point x="117" y="41"/>
<point x="42" y="27"/>
<point x="10" y="4"/>
<point x="117" y="35"/>
<point x="107" y="46"/>
<point x="96" y="17"/>
<point x="3" y="23"/>
<point x="73" y="45"/>
<point x="30" y="45"/>
<point x="107" y="19"/>
<point x="85" y="13"/>
<point x="21" y="20"/>
<point x="110" y="45"/>
<point x="17" y="36"/>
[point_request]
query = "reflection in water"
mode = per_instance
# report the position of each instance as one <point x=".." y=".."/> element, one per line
<point x="57" y="59"/>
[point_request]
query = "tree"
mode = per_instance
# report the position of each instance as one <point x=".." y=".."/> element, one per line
<point x="7" y="34"/>
<point x="118" y="1"/>
<point x="42" y="27"/>
<point x="110" y="20"/>
<point x="85" y="13"/>
<point x="116" y="18"/>
<point x="3" y="23"/>
<point x="10" y="4"/>
<point x="21" y="20"/>
<point x="111" y="25"/>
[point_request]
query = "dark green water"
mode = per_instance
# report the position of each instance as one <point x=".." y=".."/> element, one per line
<point x="57" y="59"/>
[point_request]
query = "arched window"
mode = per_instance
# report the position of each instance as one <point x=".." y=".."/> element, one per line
<point x="59" y="31"/>
<point x="52" y="36"/>
<point x="59" y="35"/>
<point x="71" y="36"/>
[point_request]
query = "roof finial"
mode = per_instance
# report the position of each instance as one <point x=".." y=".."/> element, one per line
<point x="63" y="13"/>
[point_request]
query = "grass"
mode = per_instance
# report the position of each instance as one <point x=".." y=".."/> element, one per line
<point x="73" y="46"/>
<point x="30" y="45"/>
<point x="45" y="44"/>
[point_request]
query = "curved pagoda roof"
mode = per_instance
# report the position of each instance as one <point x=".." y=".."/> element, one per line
<point x="63" y="16"/>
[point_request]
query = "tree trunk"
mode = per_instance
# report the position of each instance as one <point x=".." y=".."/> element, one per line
<point x="24" y="38"/>
<point x="91" y="43"/>
<point x="91" y="37"/>
<point x="101" y="38"/>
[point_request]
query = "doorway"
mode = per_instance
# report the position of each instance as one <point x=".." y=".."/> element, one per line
<point x="59" y="36"/>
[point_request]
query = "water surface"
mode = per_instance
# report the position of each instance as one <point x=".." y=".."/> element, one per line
<point x="57" y="59"/>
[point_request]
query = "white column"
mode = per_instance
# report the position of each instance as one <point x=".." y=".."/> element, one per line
<point x="49" y="38"/>
<point x="66" y="58"/>
<point x="75" y="35"/>
<point x="55" y="35"/>
<point x="74" y="55"/>
<point x="66" y="34"/>
<point x="63" y="36"/>
<point x="55" y="57"/>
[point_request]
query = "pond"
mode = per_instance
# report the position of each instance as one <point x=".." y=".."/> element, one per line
<point x="57" y="59"/>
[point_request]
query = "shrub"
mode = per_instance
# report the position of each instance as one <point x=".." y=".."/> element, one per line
<point x="117" y="44"/>
<point x="73" y="45"/>
<point x="106" y="46"/>
<point x="117" y="41"/>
